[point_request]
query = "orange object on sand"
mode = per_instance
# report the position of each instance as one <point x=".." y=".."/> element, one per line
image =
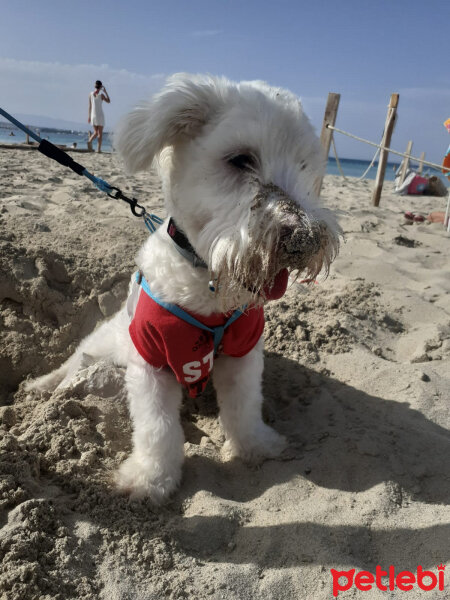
<point x="446" y="164"/>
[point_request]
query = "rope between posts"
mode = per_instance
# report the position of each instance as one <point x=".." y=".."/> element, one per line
<point x="338" y="162"/>
<point x="380" y="147"/>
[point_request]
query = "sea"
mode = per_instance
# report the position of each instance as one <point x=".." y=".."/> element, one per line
<point x="350" y="167"/>
<point x="59" y="137"/>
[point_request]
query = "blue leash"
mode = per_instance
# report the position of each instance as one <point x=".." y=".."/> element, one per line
<point x="51" y="151"/>
<point x="151" y="222"/>
<point x="217" y="331"/>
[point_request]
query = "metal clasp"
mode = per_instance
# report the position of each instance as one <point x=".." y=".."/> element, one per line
<point x="118" y="195"/>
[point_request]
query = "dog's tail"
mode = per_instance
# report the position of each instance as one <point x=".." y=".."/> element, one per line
<point x="108" y="342"/>
<point x="49" y="382"/>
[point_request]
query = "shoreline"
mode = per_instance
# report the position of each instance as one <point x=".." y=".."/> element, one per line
<point x="35" y="146"/>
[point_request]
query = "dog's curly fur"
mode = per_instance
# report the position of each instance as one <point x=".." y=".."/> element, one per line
<point x="239" y="163"/>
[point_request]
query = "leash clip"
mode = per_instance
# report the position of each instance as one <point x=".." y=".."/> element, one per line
<point x="116" y="194"/>
<point x="151" y="221"/>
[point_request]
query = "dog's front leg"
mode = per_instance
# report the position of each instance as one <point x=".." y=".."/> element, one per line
<point x="154" y="467"/>
<point x="238" y="383"/>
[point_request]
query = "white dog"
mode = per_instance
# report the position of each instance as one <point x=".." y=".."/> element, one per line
<point x="239" y="164"/>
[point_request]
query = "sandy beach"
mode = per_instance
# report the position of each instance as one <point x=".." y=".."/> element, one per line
<point x="357" y="376"/>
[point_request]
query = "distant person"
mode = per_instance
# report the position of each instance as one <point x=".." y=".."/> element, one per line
<point x="96" y="116"/>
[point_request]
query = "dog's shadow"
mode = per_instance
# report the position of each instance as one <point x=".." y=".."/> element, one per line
<point x="339" y="438"/>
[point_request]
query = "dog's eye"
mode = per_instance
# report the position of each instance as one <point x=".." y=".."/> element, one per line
<point x="243" y="162"/>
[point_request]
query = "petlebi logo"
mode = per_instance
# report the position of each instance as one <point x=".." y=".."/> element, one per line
<point x="388" y="579"/>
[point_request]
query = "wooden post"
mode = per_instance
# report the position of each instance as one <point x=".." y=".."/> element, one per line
<point x="422" y="158"/>
<point x="447" y="215"/>
<point x="405" y="162"/>
<point x="326" y="133"/>
<point x="388" y="129"/>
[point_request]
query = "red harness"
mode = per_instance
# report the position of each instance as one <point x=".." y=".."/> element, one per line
<point x="165" y="340"/>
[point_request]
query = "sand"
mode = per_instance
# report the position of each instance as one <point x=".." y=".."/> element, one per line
<point x="357" y="376"/>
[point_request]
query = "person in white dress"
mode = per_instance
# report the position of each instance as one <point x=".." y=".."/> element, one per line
<point x="96" y="116"/>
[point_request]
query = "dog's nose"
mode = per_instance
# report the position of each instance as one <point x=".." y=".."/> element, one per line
<point x="301" y="238"/>
<point x="286" y="232"/>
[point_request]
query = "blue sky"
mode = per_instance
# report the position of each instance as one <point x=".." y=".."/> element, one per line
<point x="52" y="51"/>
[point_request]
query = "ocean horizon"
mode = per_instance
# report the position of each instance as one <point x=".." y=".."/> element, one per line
<point x="351" y="167"/>
<point x="59" y="137"/>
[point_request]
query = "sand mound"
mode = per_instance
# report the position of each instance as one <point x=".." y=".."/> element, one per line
<point x="357" y="374"/>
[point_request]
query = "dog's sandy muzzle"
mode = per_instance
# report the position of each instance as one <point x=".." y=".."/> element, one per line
<point x="283" y="238"/>
<point x="300" y="238"/>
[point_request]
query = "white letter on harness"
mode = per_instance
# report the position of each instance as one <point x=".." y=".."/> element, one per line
<point x="191" y="370"/>
<point x="209" y="358"/>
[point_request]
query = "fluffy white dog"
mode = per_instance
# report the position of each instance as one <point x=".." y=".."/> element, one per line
<point x="239" y="163"/>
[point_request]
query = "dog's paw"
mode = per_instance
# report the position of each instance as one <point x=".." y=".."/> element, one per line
<point x="264" y="442"/>
<point x="146" y="478"/>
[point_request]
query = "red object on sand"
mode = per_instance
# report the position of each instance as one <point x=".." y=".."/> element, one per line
<point x="418" y="185"/>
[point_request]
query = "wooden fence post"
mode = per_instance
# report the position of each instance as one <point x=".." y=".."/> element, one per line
<point x="388" y="129"/>
<point x="326" y="134"/>
<point x="422" y="158"/>
<point x="405" y="162"/>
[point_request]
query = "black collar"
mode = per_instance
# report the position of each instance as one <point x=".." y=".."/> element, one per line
<point x="183" y="245"/>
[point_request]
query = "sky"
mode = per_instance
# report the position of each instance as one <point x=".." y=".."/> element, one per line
<point x="51" y="52"/>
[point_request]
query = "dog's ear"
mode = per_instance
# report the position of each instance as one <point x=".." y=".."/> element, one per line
<point x="178" y="111"/>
